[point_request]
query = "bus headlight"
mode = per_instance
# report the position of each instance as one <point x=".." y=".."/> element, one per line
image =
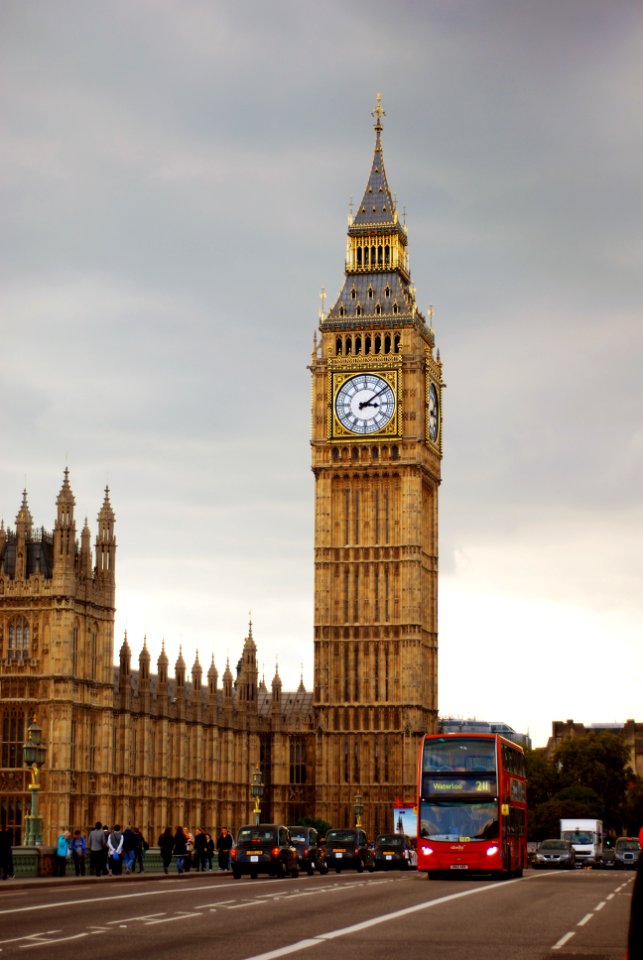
<point x="492" y="851"/>
<point x="427" y="851"/>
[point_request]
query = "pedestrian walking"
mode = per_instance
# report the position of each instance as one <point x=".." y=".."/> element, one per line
<point x="78" y="852"/>
<point x="141" y="848"/>
<point x="115" y="851"/>
<point x="181" y="850"/>
<point x="97" y="843"/>
<point x="200" y="842"/>
<point x="224" y="846"/>
<point x="166" y="846"/>
<point x="63" y="853"/>
<point x="209" y="851"/>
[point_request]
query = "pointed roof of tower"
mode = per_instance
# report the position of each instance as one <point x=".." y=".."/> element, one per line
<point x="125" y="647"/>
<point x="377" y="283"/>
<point x="24" y="518"/>
<point x="377" y="206"/>
<point x="163" y="660"/>
<point x="65" y="497"/>
<point x="145" y="653"/>
<point x="106" y="512"/>
<point x="212" y="670"/>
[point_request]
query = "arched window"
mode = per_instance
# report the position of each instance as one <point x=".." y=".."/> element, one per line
<point x="18" y="650"/>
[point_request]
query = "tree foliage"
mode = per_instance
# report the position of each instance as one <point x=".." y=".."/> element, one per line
<point x="321" y="826"/>
<point x="587" y="776"/>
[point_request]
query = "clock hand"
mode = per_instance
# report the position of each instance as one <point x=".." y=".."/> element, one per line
<point x="368" y="403"/>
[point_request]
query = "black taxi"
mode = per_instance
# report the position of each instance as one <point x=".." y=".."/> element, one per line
<point x="264" y="848"/>
<point x="347" y="848"/>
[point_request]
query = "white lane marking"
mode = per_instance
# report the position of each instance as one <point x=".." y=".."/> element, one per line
<point x="373" y="921"/>
<point x="586" y="919"/>
<point x="181" y="916"/>
<point x="46" y="943"/>
<point x="119" y="896"/>
<point x="29" y="936"/>
<point x="599" y="906"/>
<point x="143" y="916"/>
<point x="563" y="940"/>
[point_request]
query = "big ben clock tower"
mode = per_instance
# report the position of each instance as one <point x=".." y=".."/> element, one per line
<point x="376" y="452"/>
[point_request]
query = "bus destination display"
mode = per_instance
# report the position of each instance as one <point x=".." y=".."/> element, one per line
<point x="450" y="786"/>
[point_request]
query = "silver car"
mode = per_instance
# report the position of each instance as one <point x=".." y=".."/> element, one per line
<point x="555" y="853"/>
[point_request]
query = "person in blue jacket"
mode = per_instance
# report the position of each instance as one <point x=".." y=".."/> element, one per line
<point x="63" y="853"/>
<point x="78" y="852"/>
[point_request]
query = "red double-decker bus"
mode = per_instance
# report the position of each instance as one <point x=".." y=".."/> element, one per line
<point x="472" y="805"/>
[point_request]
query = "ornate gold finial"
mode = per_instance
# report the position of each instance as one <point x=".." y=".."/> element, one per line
<point x="322" y="298"/>
<point x="378" y="112"/>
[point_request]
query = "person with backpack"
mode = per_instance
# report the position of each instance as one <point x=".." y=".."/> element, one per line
<point x="115" y="851"/>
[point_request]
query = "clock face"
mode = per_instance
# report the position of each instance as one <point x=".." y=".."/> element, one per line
<point x="365" y="403"/>
<point x="433" y="413"/>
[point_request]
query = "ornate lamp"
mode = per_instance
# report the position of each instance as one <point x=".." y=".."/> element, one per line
<point x="256" y="790"/>
<point x="358" y="809"/>
<point x="33" y="756"/>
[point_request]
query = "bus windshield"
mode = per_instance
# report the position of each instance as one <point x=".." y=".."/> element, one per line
<point x="459" y="821"/>
<point x="464" y="755"/>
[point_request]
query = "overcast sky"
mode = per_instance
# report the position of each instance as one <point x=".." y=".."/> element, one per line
<point x="176" y="178"/>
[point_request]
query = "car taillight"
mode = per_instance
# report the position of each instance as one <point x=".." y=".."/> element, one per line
<point x="233" y="853"/>
<point x="357" y="851"/>
<point x="275" y="852"/>
<point x="306" y="851"/>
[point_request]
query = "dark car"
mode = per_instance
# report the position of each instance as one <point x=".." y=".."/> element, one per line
<point x="626" y="853"/>
<point x="309" y="851"/>
<point x="394" y="851"/>
<point x="555" y="853"/>
<point x="348" y="848"/>
<point x="264" y="848"/>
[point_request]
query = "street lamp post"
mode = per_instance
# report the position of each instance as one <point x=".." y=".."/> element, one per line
<point x="358" y="809"/>
<point x="33" y="755"/>
<point x="256" y="790"/>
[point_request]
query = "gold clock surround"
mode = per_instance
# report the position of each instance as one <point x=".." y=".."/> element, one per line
<point x="340" y="374"/>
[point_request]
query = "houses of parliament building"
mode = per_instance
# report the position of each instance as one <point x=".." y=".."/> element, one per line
<point x="162" y="744"/>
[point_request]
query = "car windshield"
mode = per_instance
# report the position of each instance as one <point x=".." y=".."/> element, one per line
<point x="579" y="836"/>
<point x="459" y="821"/>
<point x="627" y="845"/>
<point x="553" y="845"/>
<point x="390" y="840"/>
<point x="345" y="835"/>
<point x="248" y="834"/>
<point x="298" y="835"/>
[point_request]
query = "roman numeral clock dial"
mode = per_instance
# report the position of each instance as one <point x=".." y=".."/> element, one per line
<point x="365" y="404"/>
